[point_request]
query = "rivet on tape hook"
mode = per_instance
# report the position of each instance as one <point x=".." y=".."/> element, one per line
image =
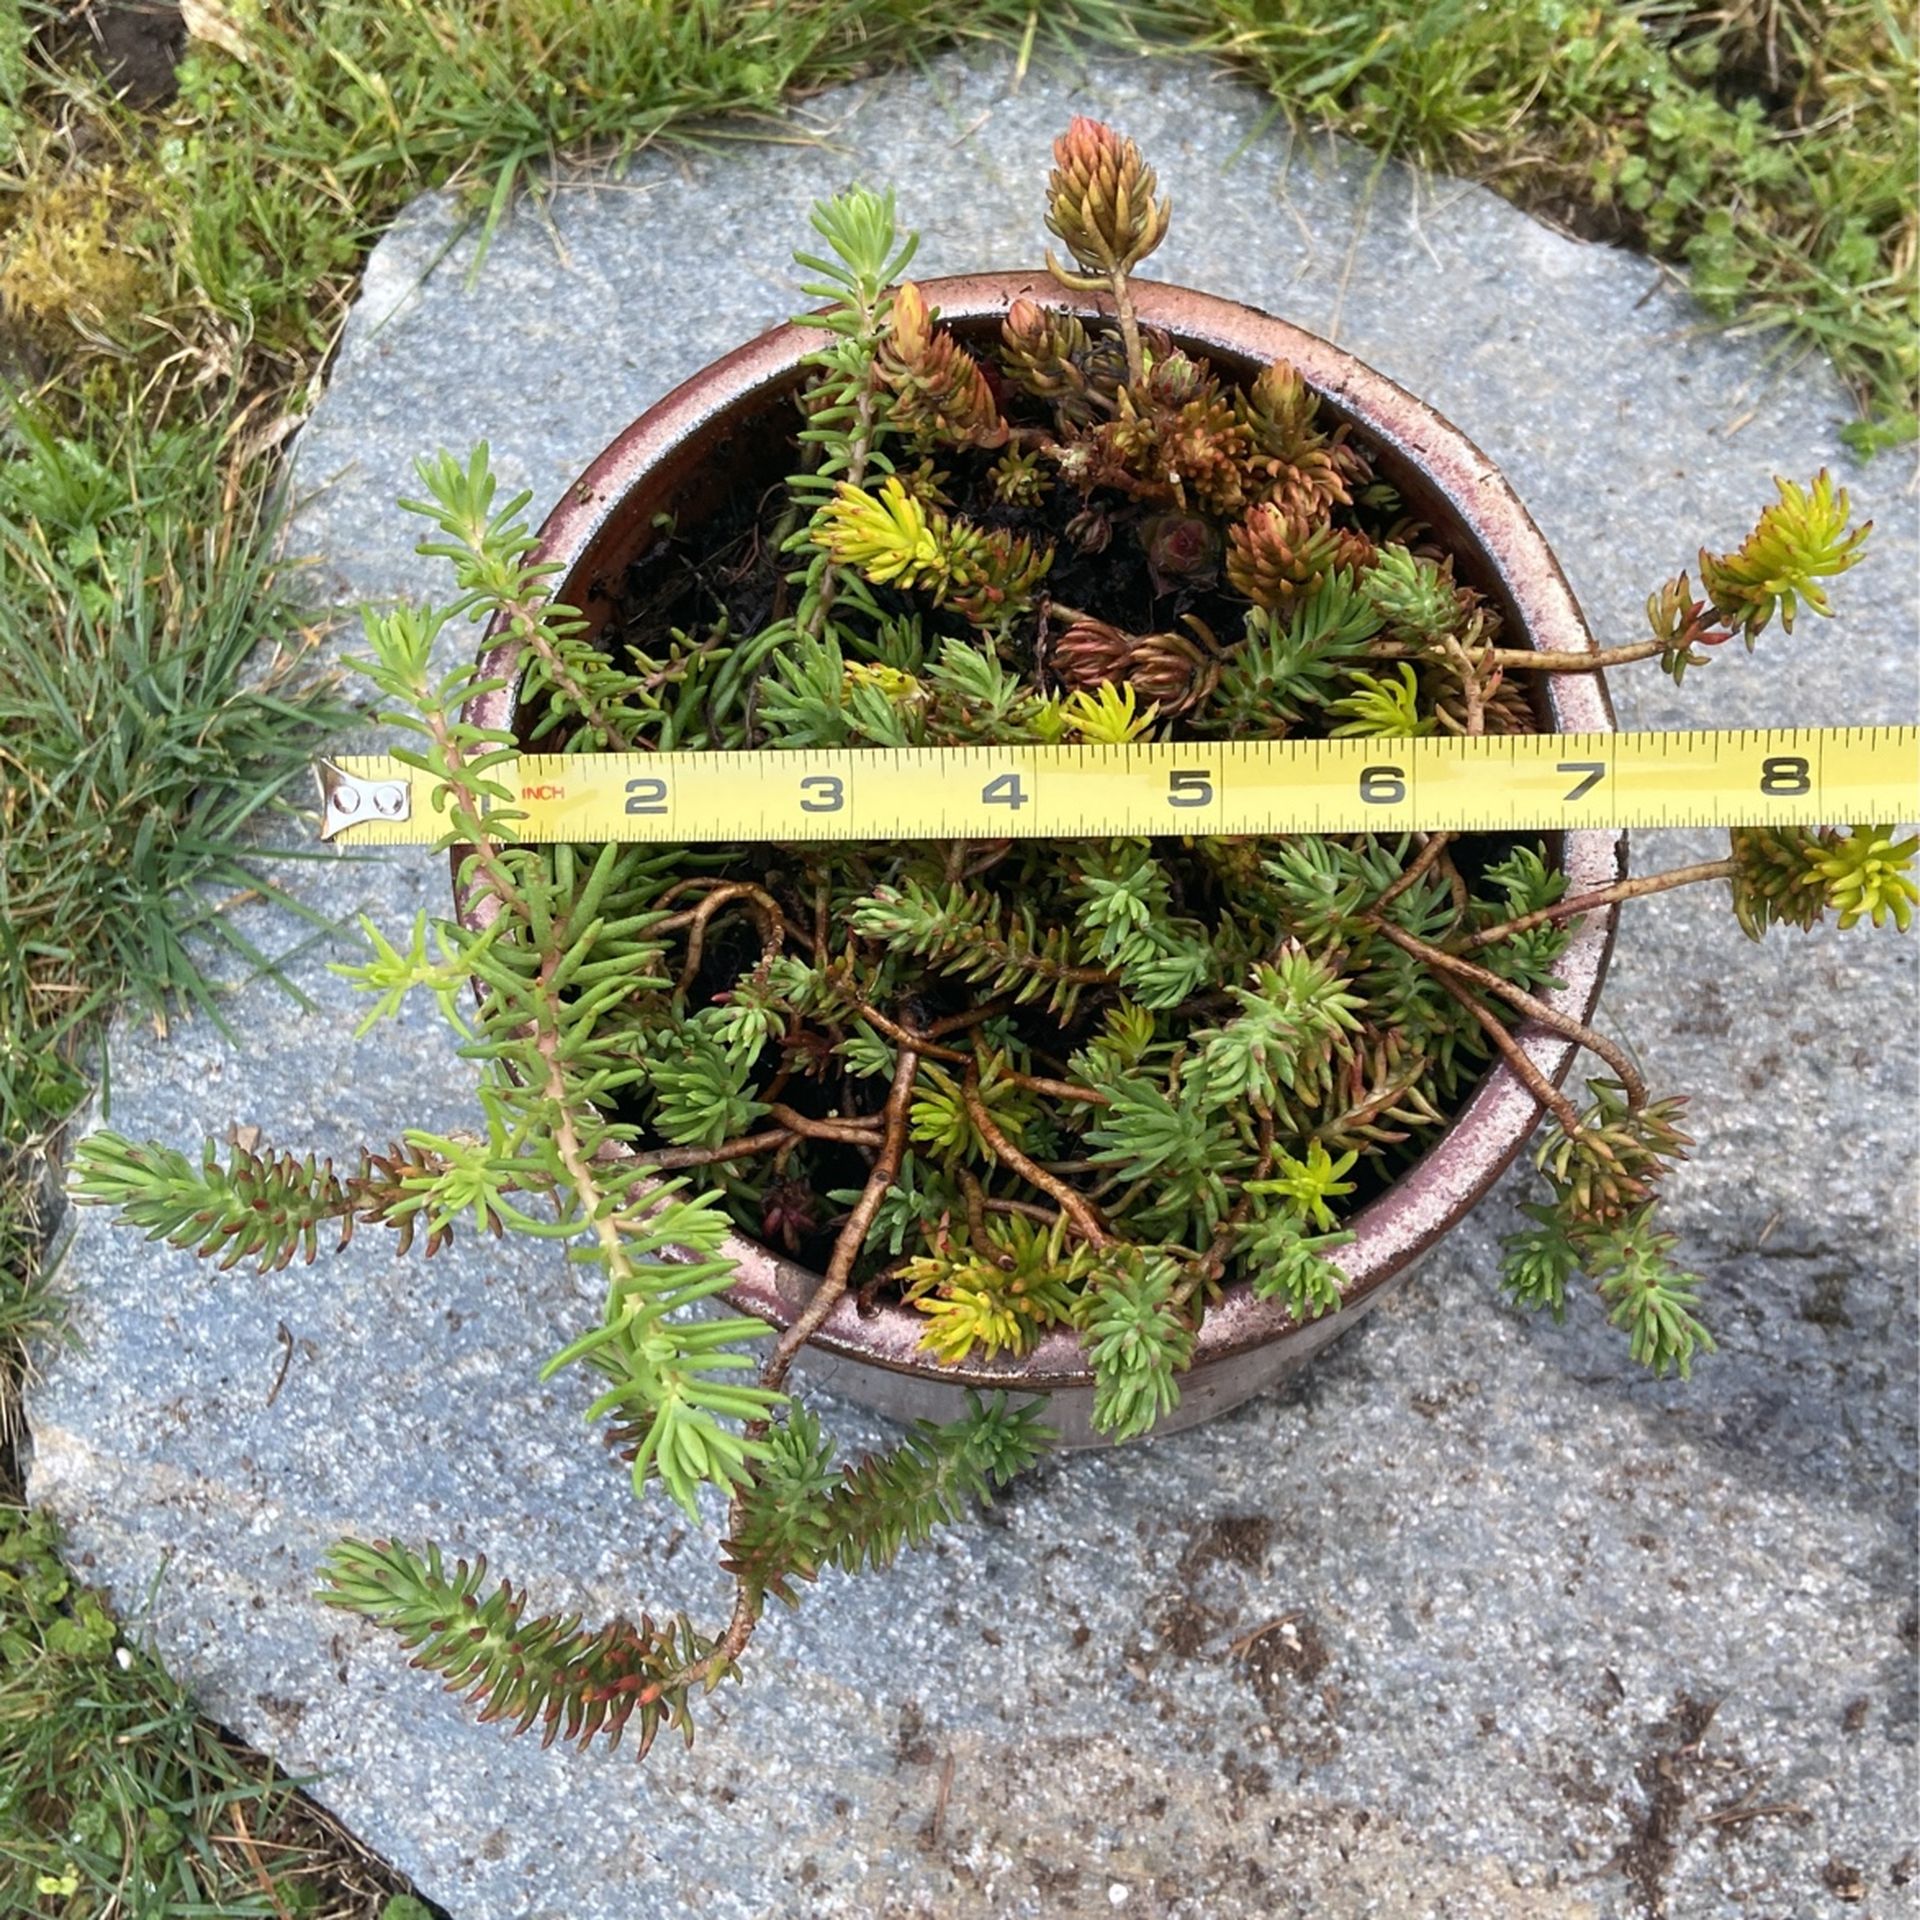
<point x="347" y="800"/>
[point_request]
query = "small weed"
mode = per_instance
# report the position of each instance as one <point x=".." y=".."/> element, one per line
<point x="117" y="1799"/>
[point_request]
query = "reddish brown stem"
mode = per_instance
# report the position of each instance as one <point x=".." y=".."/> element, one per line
<point x="1517" y="1057"/>
<point x="1475" y="687"/>
<point x="860" y="1132"/>
<point x="1059" y="1089"/>
<point x="927" y="1042"/>
<point x="1086" y="1222"/>
<point x="1457" y="889"/>
<point x="966" y="1017"/>
<point x="747" y="1598"/>
<point x="852" y="1236"/>
<point x="1634" y="889"/>
<point x="774" y="927"/>
<point x="1593" y="662"/>
<point x="1025" y="1208"/>
<point x="906" y="1037"/>
<point x="1211" y="1264"/>
<point x="1551" y="1017"/>
<point x="1436" y="845"/>
<point x="672" y="1159"/>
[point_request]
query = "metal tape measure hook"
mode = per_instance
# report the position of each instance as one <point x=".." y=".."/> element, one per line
<point x="347" y="800"/>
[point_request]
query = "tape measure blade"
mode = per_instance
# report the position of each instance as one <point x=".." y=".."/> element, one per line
<point x="1870" y="775"/>
<point x="1507" y="783"/>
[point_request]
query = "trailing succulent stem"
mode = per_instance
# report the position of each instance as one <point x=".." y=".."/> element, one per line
<point x="1014" y="1087"/>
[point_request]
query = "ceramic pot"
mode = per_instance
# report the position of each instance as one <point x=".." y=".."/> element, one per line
<point x="733" y="422"/>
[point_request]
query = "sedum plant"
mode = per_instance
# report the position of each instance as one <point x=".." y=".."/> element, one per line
<point x="1014" y="1085"/>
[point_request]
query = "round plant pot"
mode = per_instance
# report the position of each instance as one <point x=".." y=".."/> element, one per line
<point x="732" y="423"/>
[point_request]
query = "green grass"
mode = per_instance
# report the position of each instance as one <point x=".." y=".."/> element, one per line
<point x="30" y="1314"/>
<point x="117" y="1798"/>
<point x="1767" y="146"/>
<point x="171" y="281"/>
<point x="134" y="756"/>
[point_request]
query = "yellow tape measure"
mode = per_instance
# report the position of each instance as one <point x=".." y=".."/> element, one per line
<point x="1782" y="776"/>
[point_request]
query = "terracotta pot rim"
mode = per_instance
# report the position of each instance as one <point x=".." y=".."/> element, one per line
<point x="1437" y="1192"/>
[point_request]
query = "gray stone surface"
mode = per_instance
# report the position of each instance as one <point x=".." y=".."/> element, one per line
<point x="1511" y="1573"/>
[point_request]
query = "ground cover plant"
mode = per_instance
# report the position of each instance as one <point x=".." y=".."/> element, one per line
<point x="174" y="259"/>
<point x="1019" y="1083"/>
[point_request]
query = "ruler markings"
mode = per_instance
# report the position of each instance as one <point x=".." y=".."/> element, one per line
<point x="1521" y="782"/>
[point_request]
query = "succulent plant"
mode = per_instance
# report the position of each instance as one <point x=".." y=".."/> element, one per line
<point x="1015" y="1084"/>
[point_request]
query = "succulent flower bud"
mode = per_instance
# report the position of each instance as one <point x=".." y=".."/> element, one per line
<point x="941" y="393"/>
<point x="1353" y="549"/>
<point x="1274" y="556"/>
<point x="1018" y="480"/>
<point x="1283" y="407"/>
<point x="1038" y="340"/>
<point x="1167" y="670"/>
<point x="1171" y="671"/>
<point x="1174" y="379"/>
<point x="1308" y="469"/>
<point x="1100" y="199"/>
<point x="1091" y="653"/>
<point x="1681" y="623"/>
<point x="910" y="334"/>
<point x="1091" y="530"/>
<point x="1043" y="353"/>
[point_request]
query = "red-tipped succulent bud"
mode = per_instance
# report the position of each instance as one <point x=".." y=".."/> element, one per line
<point x="1174" y="379"/>
<point x="1167" y="670"/>
<point x="941" y="393"/>
<point x="1040" y="345"/>
<point x="789" y="1213"/>
<point x="1100" y="200"/>
<point x="1046" y="354"/>
<point x="1307" y="469"/>
<point x="1091" y="530"/>
<point x="1274" y="556"/>
<point x="1172" y="672"/>
<point x="1681" y="623"/>
<point x="1091" y="653"/>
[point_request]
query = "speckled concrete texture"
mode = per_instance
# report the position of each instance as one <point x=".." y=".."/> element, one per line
<point x="1473" y="1621"/>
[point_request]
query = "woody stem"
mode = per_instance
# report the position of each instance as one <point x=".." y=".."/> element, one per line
<point x="1561" y="1023"/>
<point x="1129" y="324"/>
<point x="1525" y="657"/>
<point x="1634" y="889"/>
